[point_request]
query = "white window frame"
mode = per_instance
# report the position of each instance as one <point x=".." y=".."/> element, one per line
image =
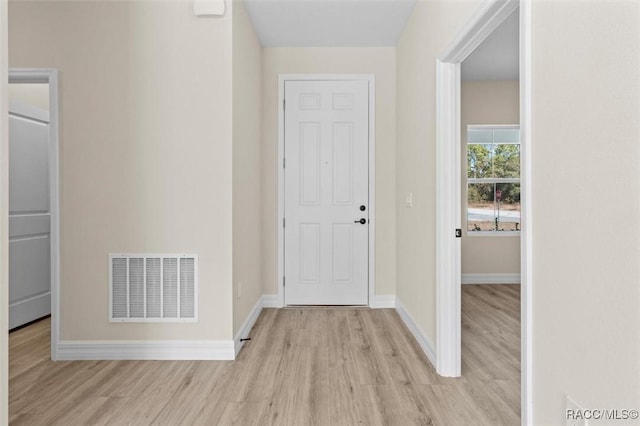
<point x="518" y="180"/>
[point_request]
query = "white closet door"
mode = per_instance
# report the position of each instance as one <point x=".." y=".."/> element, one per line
<point x="29" y="215"/>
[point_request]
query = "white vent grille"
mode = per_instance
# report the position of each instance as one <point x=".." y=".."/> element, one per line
<point x="153" y="288"/>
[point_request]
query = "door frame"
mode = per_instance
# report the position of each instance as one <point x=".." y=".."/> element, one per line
<point x="448" y="191"/>
<point x="49" y="76"/>
<point x="370" y="78"/>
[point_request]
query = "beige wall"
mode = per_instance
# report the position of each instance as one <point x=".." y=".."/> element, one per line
<point x="430" y="29"/>
<point x="145" y="149"/>
<point x="32" y="94"/>
<point x="378" y="61"/>
<point x="586" y="205"/>
<point x="247" y="202"/>
<point x="4" y="218"/>
<point x="487" y="102"/>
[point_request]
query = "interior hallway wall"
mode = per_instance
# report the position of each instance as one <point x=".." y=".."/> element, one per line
<point x="487" y="102"/>
<point x="247" y="199"/>
<point x="379" y="61"/>
<point x="586" y="206"/>
<point x="431" y="28"/>
<point x="145" y="150"/>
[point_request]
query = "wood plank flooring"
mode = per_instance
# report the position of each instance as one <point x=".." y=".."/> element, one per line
<point x="328" y="366"/>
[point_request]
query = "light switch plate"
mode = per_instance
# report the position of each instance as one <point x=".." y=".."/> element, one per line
<point x="409" y="199"/>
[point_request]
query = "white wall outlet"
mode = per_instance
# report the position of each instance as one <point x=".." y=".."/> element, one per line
<point x="574" y="413"/>
<point x="409" y="199"/>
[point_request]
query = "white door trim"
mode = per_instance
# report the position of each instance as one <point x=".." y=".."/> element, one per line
<point x="370" y="78"/>
<point x="50" y="76"/>
<point x="448" y="192"/>
<point x="526" y="206"/>
<point x="448" y="262"/>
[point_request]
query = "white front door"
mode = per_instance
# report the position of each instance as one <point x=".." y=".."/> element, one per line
<point x="29" y="215"/>
<point x="326" y="207"/>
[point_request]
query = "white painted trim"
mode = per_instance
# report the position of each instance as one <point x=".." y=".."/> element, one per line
<point x="50" y="76"/>
<point x="4" y="213"/>
<point x="279" y="224"/>
<point x="490" y="278"/>
<point x="54" y="185"/>
<point x="372" y="187"/>
<point x="418" y="333"/>
<point x="493" y="126"/>
<point x="32" y="75"/>
<point x="244" y="331"/>
<point x="383" y="301"/>
<point x="448" y="218"/>
<point x="76" y="350"/>
<point x="492" y="234"/>
<point x="370" y="78"/>
<point x="526" y="236"/>
<point x="487" y="18"/>
<point x="271" y="301"/>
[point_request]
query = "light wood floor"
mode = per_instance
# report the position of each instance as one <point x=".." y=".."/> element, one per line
<point x="339" y="366"/>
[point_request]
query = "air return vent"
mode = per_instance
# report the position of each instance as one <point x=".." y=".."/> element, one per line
<point x="153" y="288"/>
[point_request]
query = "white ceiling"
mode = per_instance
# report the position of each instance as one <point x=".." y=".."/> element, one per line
<point x="336" y="23"/>
<point x="497" y="58"/>
<point x="352" y="23"/>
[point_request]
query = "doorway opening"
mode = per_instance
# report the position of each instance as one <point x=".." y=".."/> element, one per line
<point x="448" y="192"/>
<point x="34" y="221"/>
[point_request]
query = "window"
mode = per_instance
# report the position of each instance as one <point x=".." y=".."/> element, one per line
<point x="493" y="178"/>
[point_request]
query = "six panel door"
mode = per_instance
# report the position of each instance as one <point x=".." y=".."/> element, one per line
<point x="326" y="192"/>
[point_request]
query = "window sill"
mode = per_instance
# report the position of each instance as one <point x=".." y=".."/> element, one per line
<point x="493" y="233"/>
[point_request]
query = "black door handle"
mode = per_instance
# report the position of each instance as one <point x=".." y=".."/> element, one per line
<point x="362" y="221"/>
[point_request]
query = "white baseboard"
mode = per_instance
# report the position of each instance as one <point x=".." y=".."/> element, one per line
<point x="76" y="350"/>
<point x="28" y="310"/>
<point x="378" y="302"/>
<point x="270" y="301"/>
<point x="210" y="350"/>
<point x="248" y="324"/>
<point x="490" y="278"/>
<point x="418" y="334"/>
<point x="383" y="301"/>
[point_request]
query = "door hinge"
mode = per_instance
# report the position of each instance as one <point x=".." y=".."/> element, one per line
<point x="458" y="233"/>
<point x="284" y="281"/>
<point x="284" y="104"/>
<point x="284" y="163"/>
<point x="283" y="222"/>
